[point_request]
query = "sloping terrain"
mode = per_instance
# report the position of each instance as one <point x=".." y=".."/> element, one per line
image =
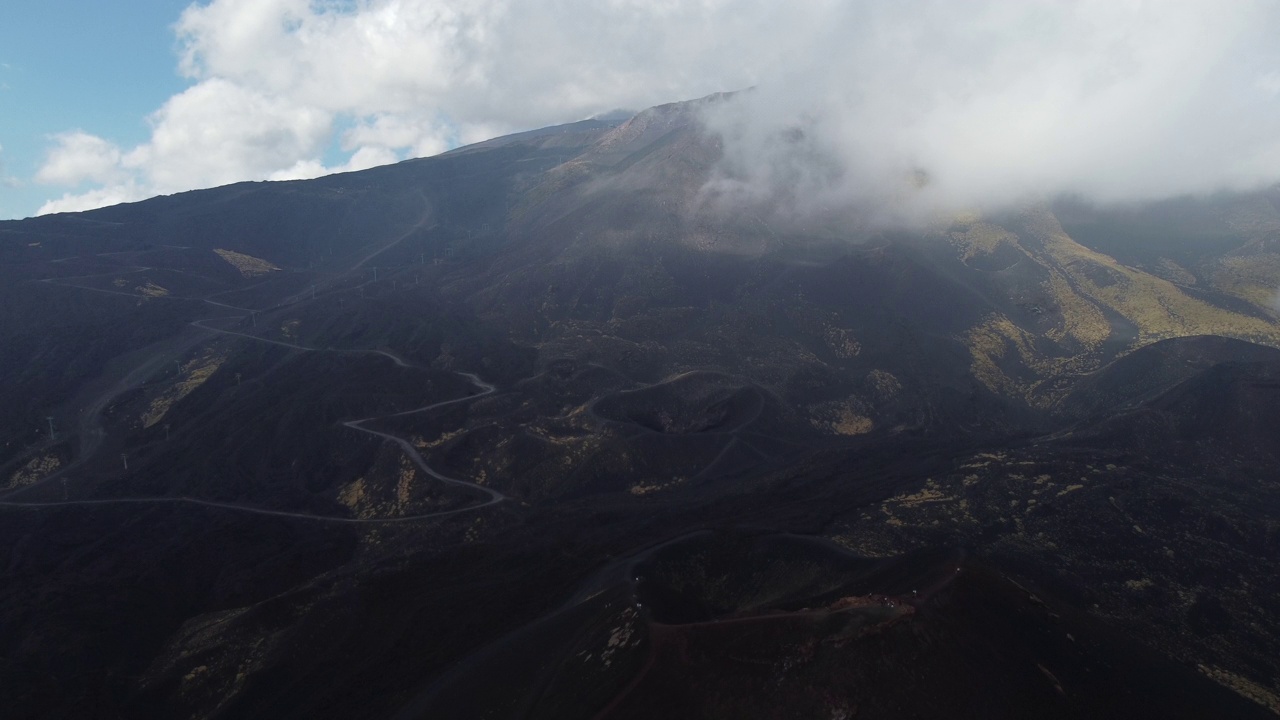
<point x="381" y="442"/>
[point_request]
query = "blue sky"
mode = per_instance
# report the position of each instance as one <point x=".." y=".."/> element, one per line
<point x="78" y="64"/>
<point x="998" y="100"/>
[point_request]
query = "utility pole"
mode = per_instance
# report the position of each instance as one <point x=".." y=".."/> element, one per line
<point x="313" y="292"/>
<point x="166" y="432"/>
<point x="125" y="458"/>
<point x="52" y="435"/>
<point x="253" y="315"/>
<point x="422" y="258"/>
<point x="375" y="274"/>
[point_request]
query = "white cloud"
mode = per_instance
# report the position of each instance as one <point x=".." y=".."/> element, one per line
<point x="477" y="61"/>
<point x="79" y="157"/>
<point x="218" y="132"/>
<point x="992" y="99"/>
<point x="362" y="159"/>
<point x="997" y="102"/>
<point x="96" y="198"/>
<point x="215" y="132"/>
<point x="424" y="136"/>
<point x="1269" y="82"/>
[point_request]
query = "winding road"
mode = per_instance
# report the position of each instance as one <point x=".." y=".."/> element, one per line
<point x="92" y="435"/>
<point x="494" y="496"/>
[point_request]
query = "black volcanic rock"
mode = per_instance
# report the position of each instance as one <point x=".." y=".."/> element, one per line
<point x="752" y="625"/>
<point x="1224" y="414"/>
<point x="230" y="518"/>
<point x="1152" y="370"/>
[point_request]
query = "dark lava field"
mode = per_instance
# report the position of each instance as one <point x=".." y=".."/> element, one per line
<point x="537" y="429"/>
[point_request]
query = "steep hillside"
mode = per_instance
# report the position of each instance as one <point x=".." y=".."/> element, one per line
<point x="323" y="448"/>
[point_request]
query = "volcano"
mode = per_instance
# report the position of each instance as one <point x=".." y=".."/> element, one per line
<point x="544" y="427"/>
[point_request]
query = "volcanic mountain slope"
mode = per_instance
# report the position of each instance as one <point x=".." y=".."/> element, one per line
<point x="1159" y="513"/>
<point x="748" y="624"/>
<point x="209" y="532"/>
